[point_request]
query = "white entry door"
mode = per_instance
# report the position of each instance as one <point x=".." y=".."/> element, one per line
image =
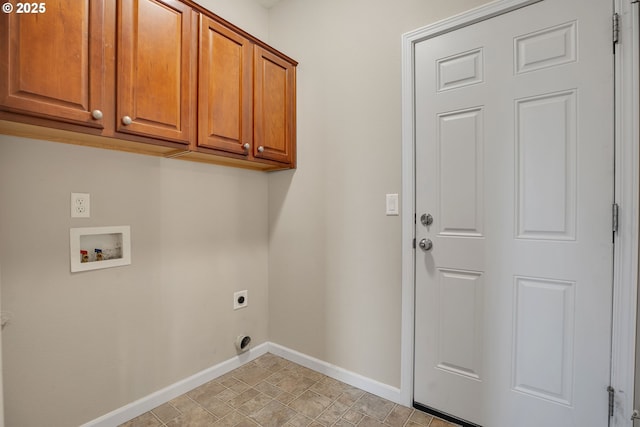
<point x="514" y="163"/>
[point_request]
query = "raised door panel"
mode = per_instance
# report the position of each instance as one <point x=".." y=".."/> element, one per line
<point x="225" y="85"/>
<point x="52" y="63"/>
<point x="155" y="82"/>
<point x="274" y="107"/>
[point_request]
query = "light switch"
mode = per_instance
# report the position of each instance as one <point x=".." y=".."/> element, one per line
<point x="392" y="204"/>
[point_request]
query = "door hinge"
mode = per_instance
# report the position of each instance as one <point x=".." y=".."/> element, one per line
<point x="414" y="243"/>
<point x="616" y="30"/>
<point x="611" y="397"/>
<point x="615" y="209"/>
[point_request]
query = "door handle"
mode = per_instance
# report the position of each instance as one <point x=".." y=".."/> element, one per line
<point x="426" y="219"/>
<point x="635" y="415"/>
<point x="426" y="245"/>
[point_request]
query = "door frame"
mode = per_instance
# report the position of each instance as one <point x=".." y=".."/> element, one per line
<point x="627" y="187"/>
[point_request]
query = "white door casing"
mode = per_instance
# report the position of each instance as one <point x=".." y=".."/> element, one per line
<point x="514" y="159"/>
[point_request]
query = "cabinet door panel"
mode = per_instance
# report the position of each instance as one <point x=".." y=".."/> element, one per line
<point x="155" y="81"/>
<point x="52" y="63"/>
<point x="225" y="89"/>
<point x="274" y="108"/>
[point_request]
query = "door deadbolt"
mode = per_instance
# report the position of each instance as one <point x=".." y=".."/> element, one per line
<point x="426" y="245"/>
<point x="426" y="219"/>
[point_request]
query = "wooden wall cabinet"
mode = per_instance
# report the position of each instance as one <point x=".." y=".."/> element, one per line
<point x="246" y="98"/>
<point x="155" y="76"/>
<point x="225" y="85"/>
<point x="52" y="64"/>
<point x="274" y="107"/>
<point x="162" y="77"/>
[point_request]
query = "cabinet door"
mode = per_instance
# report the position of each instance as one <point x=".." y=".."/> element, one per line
<point x="225" y="89"/>
<point x="155" y="89"/>
<point x="52" y="63"/>
<point x="274" y="107"/>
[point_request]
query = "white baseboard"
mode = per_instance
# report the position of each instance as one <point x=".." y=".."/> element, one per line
<point x="367" y="384"/>
<point x="147" y="403"/>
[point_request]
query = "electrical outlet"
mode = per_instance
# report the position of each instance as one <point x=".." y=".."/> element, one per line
<point x="240" y="299"/>
<point x="80" y="205"/>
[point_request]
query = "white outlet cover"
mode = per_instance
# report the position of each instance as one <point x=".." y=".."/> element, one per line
<point x="80" y="205"/>
<point x="240" y="294"/>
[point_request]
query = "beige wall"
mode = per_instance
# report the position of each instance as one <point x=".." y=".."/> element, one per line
<point x="334" y="257"/>
<point x="83" y="344"/>
<point x="246" y="14"/>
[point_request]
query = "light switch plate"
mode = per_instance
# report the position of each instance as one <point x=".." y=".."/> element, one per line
<point x="80" y="205"/>
<point x="392" y="204"/>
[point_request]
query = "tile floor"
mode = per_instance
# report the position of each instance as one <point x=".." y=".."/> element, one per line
<point x="271" y="391"/>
